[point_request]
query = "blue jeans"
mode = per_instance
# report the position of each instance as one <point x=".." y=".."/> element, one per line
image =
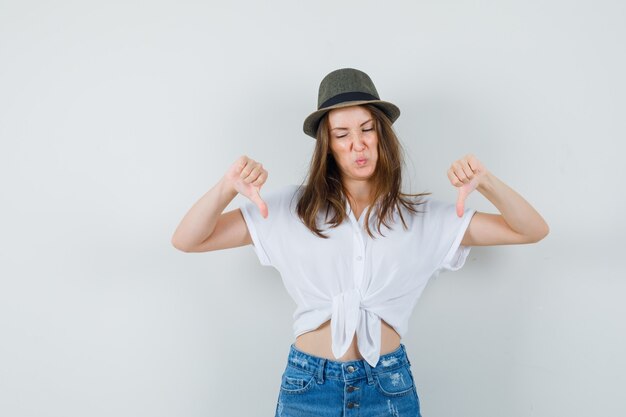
<point x="312" y="386"/>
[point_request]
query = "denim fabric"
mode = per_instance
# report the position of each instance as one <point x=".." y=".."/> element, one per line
<point x="312" y="386"/>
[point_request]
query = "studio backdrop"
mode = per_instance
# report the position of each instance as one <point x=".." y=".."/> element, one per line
<point x="115" y="117"/>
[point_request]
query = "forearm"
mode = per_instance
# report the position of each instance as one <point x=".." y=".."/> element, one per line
<point x="200" y="220"/>
<point x="516" y="211"/>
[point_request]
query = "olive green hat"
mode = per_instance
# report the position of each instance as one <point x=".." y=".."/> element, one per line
<point x="342" y="88"/>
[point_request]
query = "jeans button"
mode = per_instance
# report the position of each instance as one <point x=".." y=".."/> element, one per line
<point x="350" y="368"/>
<point x="350" y="388"/>
<point x="351" y="405"/>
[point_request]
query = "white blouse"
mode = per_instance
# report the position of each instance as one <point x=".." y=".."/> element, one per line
<point x="350" y="278"/>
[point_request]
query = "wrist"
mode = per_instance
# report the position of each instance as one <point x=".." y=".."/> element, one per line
<point x="227" y="188"/>
<point x="486" y="182"/>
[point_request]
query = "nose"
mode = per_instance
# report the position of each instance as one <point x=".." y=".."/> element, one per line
<point x="359" y="142"/>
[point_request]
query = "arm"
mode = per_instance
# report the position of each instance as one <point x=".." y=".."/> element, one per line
<point x="518" y="222"/>
<point x="205" y="227"/>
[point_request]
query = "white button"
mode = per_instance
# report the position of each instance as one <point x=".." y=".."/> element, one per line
<point x="358" y="258"/>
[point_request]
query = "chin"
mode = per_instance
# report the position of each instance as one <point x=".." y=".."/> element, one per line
<point x="364" y="175"/>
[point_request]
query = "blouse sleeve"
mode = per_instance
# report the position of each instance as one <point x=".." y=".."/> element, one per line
<point x="266" y="231"/>
<point x="446" y="230"/>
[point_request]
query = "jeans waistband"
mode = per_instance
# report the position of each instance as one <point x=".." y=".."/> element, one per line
<point x="349" y="370"/>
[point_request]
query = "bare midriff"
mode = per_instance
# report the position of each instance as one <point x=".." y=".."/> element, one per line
<point x="318" y="342"/>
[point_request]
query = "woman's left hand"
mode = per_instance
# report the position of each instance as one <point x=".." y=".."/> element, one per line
<point x="467" y="174"/>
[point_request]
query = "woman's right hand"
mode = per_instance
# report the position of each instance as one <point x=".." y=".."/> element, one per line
<point x="247" y="176"/>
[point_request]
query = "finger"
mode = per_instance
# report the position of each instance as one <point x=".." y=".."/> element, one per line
<point x="473" y="163"/>
<point x="256" y="199"/>
<point x="241" y="162"/>
<point x="453" y="178"/>
<point x="460" y="203"/>
<point x="457" y="178"/>
<point x="465" y="191"/>
<point x="247" y="169"/>
<point x="260" y="180"/>
<point x="467" y="170"/>
<point x="263" y="208"/>
<point x="460" y="171"/>
<point x="254" y="174"/>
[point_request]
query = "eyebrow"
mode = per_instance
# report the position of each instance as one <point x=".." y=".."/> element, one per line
<point x="345" y="128"/>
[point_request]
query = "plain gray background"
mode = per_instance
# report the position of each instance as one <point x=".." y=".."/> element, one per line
<point x="115" y="117"/>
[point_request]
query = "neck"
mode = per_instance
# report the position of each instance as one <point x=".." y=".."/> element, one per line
<point x="359" y="191"/>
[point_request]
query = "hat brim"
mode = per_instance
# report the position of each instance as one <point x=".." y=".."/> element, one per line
<point x="312" y="121"/>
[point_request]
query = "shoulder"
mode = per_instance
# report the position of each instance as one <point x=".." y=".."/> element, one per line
<point x="429" y="211"/>
<point x="419" y="203"/>
<point x="441" y="215"/>
<point x="433" y="204"/>
<point x="280" y="192"/>
<point x="283" y="196"/>
<point x="435" y="208"/>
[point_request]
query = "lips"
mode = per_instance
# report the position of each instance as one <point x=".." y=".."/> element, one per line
<point x="361" y="161"/>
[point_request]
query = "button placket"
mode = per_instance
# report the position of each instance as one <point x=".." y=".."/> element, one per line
<point x="352" y="397"/>
<point x="358" y="264"/>
<point x="358" y="252"/>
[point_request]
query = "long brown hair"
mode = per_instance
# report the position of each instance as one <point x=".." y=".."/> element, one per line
<point x="324" y="189"/>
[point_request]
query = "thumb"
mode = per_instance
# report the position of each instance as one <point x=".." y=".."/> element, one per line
<point x="460" y="202"/>
<point x="464" y="191"/>
<point x="256" y="199"/>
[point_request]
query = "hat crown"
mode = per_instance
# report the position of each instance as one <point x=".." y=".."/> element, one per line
<point x="343" y="88"/>
<point x="345" y="81"/>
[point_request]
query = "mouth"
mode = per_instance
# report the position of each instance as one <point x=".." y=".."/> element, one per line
<point x="361" y="161"/>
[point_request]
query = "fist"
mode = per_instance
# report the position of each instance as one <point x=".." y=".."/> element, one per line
<point x="466" y="174"/>
<point x="247" y="176"/>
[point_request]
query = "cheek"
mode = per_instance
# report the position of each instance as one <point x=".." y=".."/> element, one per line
<point x="340" y="148"/>
<point x="337" y="152"/>
<point x="373" y="145"/>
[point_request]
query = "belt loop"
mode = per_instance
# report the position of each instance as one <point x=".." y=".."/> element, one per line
<point x="320" y="371"/>
<point x="406" y="354"/>
<point x="368" y="371"/>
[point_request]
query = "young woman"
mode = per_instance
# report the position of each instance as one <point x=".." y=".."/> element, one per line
<point x="354" y="251"/>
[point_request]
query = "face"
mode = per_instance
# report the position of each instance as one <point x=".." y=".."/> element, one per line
<point x="353" y="141"/>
